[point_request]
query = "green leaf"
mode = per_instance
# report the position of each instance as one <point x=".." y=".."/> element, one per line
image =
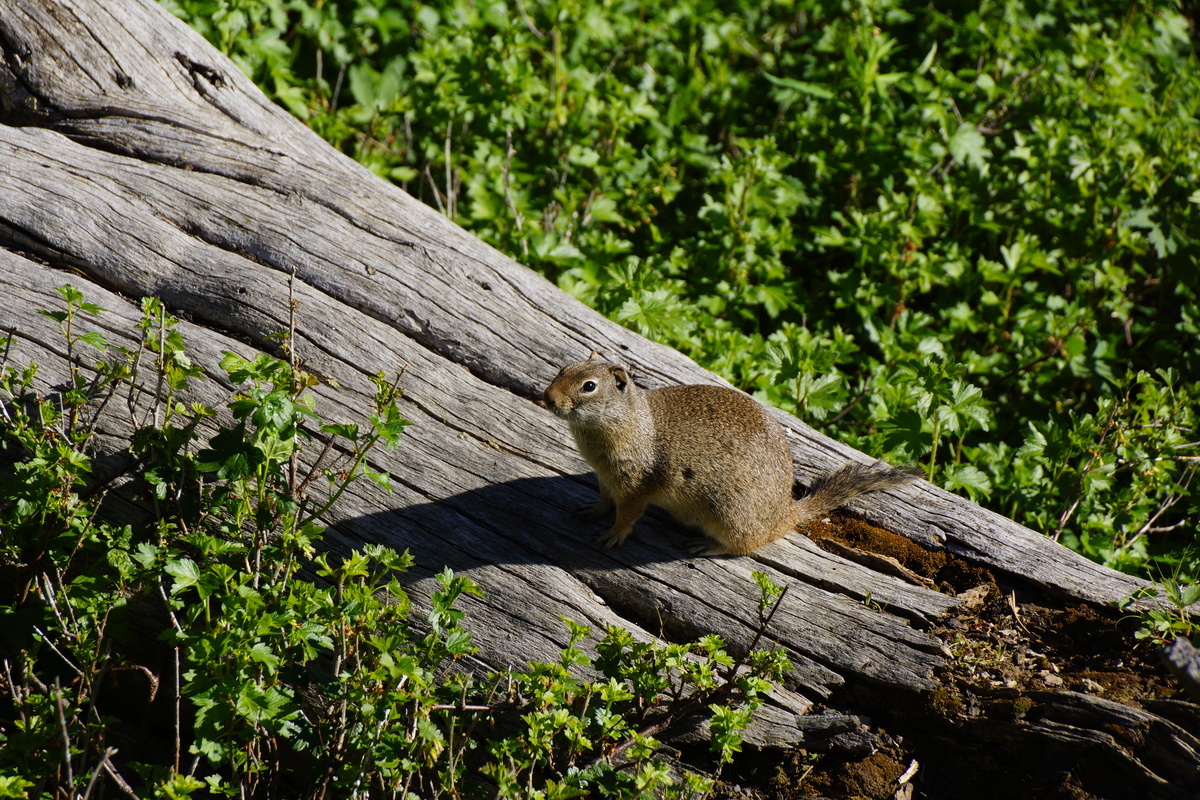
<point x="365" y="85"/>
<point x="261" y="653"/>
<point x="905" y="434"/>
<point x="185" y="572"/>
<point x="968" y="477"/>
<point x="968" y="146"/>
<point x="803" y="87"/>
<point x="927" y="62"/>
<point x="70" y="294"/>
<point x="231" y="454"/>
<point x="95" y="339"/>
<point x="346" y="431"/>
<point x="14" y="786"/>
<point x="239" y="369"/>
<point x="275" y="412"/>
<point x="384" y="479"/>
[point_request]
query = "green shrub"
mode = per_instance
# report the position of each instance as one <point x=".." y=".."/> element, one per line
<point x="281" y="685"/>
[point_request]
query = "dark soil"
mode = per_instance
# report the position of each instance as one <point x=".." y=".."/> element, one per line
<point x="1011" y="652"/>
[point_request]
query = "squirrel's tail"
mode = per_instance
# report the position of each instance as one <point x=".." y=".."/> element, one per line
<point x="849" y="481"/>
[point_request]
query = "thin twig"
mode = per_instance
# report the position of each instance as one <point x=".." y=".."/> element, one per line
<point x="437" y="195"/>
<point x="52" y="646"/>
<point x="302" y="489"/>
<point x="162" y="366"/>
<point x="118" y="780"/>
<point x="765" y="623"/>
<point x="518" y="218"/>
<point x="337" y="87"/>
<point x="529" y="22"/>
<point x="1065" y="516"/>
<point x="290" y="345"/>
<point x="1166" y="504"/>
<point x="178" y="684"/>
<point x="461" y="707"/>
<point x="849" y="407"/>
<point x="62" y="721"/>
<point x="108" y="753"/>
<point x="450" y="193"/>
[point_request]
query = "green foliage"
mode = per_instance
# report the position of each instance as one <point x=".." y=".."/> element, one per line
<point x="600" y="733"/>
<point x="1159" y="626"/>
<point x="329" y="688"/>
<point x="893" y="219"/>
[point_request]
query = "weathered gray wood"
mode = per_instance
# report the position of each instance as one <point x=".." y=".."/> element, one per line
<point x="135" y="161"/>
<point x="1183" y="659"/>
<point x="1140" y="748"/>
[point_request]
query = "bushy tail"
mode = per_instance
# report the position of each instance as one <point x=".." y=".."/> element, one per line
<point x="849" y="481"/>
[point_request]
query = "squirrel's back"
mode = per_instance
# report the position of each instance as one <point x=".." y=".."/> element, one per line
<point x="722" y="462"/>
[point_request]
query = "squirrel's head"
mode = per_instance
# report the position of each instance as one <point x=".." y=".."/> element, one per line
<point x="591" y="392"/>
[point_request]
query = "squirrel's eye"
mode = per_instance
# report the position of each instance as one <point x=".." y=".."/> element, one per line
<point x="589" y="386"/>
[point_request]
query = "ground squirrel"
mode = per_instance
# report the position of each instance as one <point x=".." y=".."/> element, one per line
<point x="713" y="457"/>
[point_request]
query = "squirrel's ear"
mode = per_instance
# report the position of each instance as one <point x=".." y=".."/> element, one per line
<point x="620" y="378"/>
<point x="594" y="356"/>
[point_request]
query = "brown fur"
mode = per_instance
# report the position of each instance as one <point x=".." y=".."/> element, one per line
<point x="713" y="457"/>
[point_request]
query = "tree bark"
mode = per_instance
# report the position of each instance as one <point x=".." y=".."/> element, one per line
<point x="136" y="161"/>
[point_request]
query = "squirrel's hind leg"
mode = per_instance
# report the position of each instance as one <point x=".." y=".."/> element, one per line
<point x="729" y="541"/>
<point x="718" y="540"/>
<point x="706" y="546"/>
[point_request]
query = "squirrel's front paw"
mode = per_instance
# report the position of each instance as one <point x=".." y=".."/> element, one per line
<point x="596" y="510"/>
<point x="610" y="539"/>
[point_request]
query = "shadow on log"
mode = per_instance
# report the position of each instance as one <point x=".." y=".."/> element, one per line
<point x="135" y="160"/>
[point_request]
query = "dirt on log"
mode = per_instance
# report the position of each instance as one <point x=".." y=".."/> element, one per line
<point x="135" y="160"/>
